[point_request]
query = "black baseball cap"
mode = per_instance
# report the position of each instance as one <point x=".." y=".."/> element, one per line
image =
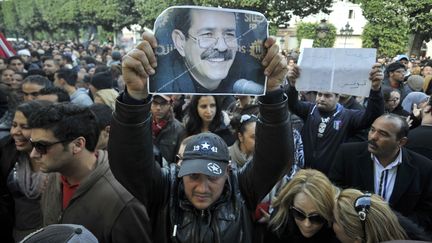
<point x="61" y="233"/>
<point x="205" y="153"/>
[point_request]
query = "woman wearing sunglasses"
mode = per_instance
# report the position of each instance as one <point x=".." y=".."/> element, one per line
<point x="24" y="183"/>
<point x="303" y="210"/>
<point x="365" y="218"/>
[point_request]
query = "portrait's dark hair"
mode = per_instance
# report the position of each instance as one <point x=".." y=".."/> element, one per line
<point x="68" y="75"/>
<point x="10" y="59"/>
<point x="28" y="108"/>
<point x="182" y="20"/>
<point x="67" y="121"/>
<point x="62" y="95"/>
<point x="39" y="80"/>
<point x="194" y="122"/>
<point x="240" y="121"/>
<point x="403" y="124"/>
<point x="103" y="114"/>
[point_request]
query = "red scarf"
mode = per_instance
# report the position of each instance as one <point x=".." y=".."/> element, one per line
<point x="158" y="126"/>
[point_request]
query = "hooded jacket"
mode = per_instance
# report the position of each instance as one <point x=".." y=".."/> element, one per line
<point x="174" y="218"/>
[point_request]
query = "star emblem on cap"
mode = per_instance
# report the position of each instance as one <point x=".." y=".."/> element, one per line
<point x="205" y="145"/>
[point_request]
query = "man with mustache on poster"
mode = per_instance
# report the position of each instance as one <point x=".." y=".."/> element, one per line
<point x="206" y="57"/>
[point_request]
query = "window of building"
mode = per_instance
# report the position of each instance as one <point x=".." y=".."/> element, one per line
<point x="351" y="14"/>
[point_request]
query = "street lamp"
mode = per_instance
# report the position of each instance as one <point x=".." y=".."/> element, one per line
<point x="322" y="29"/>
<point x="346" y="31"/>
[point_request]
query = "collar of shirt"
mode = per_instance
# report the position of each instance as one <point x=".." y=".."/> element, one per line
<point x="385" y="177"/>
<point x="393" y="164"/>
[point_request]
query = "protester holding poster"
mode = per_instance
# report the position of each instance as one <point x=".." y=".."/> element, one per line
<point x="203" y="199"/>
<point x="327" y="123"/>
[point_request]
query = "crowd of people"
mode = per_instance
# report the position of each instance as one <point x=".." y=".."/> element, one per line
<point x="83" y="142"/>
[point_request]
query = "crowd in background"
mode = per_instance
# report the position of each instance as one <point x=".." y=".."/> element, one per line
<point x="304" y="206"/>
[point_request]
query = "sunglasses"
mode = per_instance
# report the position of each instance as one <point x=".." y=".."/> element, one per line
<point x="178" y="158"/>
<point x="42" y="147"/>
<point x="246" y="117"/>
<point x="362" y="205"/>
<point x="313" y="218"/>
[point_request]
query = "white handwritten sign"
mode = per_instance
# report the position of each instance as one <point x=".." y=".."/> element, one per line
<point x="338" y="70"/>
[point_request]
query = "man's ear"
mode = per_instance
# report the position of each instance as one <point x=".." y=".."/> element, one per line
<point x="403" y="141"/>
<point x="179" y="39"/>
<point x="78" y="145"/>
<point x="107" y="129"/>
<point x="240" y="137"/>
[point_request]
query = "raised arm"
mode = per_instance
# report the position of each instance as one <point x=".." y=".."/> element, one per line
<point x="130" y="145"/>
<point x="297" y="107"/>
<point x="375" y="106"/>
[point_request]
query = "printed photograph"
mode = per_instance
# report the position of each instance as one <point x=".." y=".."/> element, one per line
<point x="205" y="50"/>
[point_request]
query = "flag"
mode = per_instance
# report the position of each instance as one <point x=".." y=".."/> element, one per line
<point x="6" y="49"/>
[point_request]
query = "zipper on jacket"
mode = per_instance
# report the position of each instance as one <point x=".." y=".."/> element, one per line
<point x="174" y="234"/>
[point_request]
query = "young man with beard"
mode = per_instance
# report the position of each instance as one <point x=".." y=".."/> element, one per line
<point x="50" y="67"/>
<point x="84" y="190"/>
<point x="167" y="131"/>
<point x="327" y="124"/>
<point x="385" y="167"/>
<point x="394" y="77"/>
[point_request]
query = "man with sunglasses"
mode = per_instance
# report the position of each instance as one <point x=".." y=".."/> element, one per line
<point x="206" y="57"/>
<point x="203" y="199"/>
<point x="384" y="166"/>
<point x="83" y="191"/>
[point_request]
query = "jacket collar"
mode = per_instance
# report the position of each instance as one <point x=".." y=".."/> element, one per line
<point x="405" y="174"/>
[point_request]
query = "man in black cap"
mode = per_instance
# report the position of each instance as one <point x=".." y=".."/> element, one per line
<point x="203" y="199"/>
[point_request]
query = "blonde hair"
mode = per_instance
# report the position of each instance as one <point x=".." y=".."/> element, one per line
<point x="416" y="70"/>
<point x="381" y="223"/>
<point x="312" y="183"/>
<point x="427" y="80"/>
<point x="107" y="96"/>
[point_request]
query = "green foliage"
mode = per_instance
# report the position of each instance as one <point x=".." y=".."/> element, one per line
<point x="112" y="15"/>
<point x="388" y="41"/>
<point x="276" y="11"/>
<point x="308" y="31"/>
<point x="393" y="21"/>
<point x="10" y="18"/>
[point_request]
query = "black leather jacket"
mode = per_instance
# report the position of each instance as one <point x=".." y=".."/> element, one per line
<point x="174" y="219"/>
